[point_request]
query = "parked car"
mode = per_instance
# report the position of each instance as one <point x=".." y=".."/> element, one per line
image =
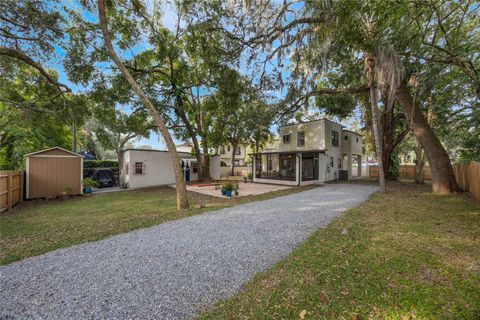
<point x="104" y="178"/>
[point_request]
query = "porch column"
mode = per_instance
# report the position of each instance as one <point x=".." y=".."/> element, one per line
<point x="254" y="166"/>
<point x="349" y="165"/>
<point x="359" y="165"/>
<point x="298" y="168"/>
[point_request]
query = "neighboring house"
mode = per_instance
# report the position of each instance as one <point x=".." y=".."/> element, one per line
<point x="185" y="147"/>
<point x="225" y="153"/>
<point x="310" y="152"/>
<point x="146" y="168"/>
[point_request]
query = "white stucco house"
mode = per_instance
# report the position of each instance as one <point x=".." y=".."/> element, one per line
<point x="146" y="168"/>
<point x="185" y="147"/>
<point x="226" y="151"/>
<point x="310" y="152"/>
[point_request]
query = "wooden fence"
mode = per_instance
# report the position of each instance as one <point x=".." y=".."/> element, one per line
<point x="468" y="178"/>
<point x="405" y="171"/>
<point x="11" y="189"/>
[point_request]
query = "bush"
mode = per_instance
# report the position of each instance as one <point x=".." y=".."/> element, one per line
<point x="87" y="164"/>
<point x="223" y="164"/>
<point x="89" y="183"/>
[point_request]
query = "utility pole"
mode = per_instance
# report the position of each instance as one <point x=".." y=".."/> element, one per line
<point x="74" y="128"/>
<point x="74" y="134"/>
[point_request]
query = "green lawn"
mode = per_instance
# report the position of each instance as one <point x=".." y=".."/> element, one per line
<point x="408" y="254"/>
<point x="33" y="228"/>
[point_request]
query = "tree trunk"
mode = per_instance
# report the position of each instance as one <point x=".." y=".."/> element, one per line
<point x="376" y="134"/>
<point x="234" y="146"/>
<point x="419" y="165"/>
<point x="443" y="179"/>
<point x="387" y="141"/>
<point x="182" y="198"/>
<point x="196" y="146"/>
<point x="206" y="163"/>
<point x="370" y="73"/>
<point x="120" y="163"/>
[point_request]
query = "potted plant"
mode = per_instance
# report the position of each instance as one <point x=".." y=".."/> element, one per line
<point x="228" y="189"/>
<point x="88" y="184"/>
<point x="223" y="190"/>
<point x="235" y="188"/>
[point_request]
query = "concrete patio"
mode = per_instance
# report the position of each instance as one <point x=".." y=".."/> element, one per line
<point x="244" y="189"/>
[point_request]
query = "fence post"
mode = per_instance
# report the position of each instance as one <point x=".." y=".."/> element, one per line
<point x="10" y="193"/>
<point x="20" y="185"/>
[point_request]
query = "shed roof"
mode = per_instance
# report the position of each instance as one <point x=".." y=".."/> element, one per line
<point x="54" y="149"/>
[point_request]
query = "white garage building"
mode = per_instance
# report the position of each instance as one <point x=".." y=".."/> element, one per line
<point x="147" y="168"/>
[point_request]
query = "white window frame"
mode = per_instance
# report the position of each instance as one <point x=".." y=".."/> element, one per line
<point x="135" y="168"/>
<point x="335" y="139"/>
<point x="289" y="138"/>
<point x="302" y="139"/>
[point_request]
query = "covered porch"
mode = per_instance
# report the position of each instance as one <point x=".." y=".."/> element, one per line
<point x="289" y="168"/>
<point x="353" y="164"/>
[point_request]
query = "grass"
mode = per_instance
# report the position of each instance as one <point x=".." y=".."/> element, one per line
<point x="33" y="228"/>
<point x="408" y="254"/>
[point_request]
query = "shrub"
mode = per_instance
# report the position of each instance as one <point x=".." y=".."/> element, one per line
<point x="87" y="164"/>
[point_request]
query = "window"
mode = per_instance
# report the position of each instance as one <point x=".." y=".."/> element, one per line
<point x="194" y="167"/>
<point x="228" y="148"/>
<point x="286" y="138"/>
<point x="339" y="163"/>
<point x="238" y="151"/>
<point x="236" y="162"/>
<point x="301" y="139"/>
<point x="138" y="167"/>
<point x="334" y="138"/>
<point x="270" y="165"/>
<point x="222" y="149"/>
<point x="346" y="137"/>
<point x="357" y="139"/>
<point x="331" y="162"/>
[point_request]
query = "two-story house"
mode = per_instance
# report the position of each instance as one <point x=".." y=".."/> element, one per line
<point x="310" y="152"/>
<point x="226" y="151"/>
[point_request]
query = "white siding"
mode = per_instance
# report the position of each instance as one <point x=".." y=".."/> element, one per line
<point x="314" y="136"/>
<point x="331" y="151"/>
<point x="158" y="169"/>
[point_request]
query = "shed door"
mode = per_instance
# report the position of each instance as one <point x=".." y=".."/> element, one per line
<point x="49" y="176"/>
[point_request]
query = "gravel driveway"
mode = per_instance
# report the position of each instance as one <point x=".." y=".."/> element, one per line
<point x="173" y="270"/>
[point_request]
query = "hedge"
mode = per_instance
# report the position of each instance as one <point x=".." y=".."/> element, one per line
<point x="87" y="164"/>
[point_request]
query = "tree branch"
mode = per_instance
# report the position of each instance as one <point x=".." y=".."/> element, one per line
<point x="17" y="54"/>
